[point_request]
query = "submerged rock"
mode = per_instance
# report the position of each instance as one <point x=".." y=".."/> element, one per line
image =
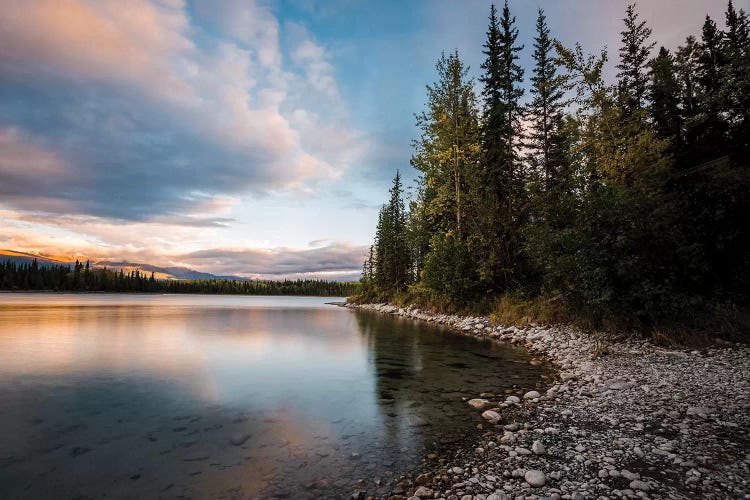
<point x="531" y="395"/>
<point x="492" y="416"/>
<point x="479" y="404"/>
<point x="239" y="439"/>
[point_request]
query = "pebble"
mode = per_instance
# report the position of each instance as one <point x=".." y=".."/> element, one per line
<point x="239" y="439"/>
<point x="535" y="478"/>
<point x="479" y="404"/>
<point x="423" y="492"/>
<point x="639" y="485"/>
<point x="670" y="422"/>
<point x="538" y="448"/>
<point x="492" y="416"/>
<point x="531" y="395"/>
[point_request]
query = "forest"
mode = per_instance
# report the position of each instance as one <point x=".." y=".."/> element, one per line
<point x="86" y="278"/>
<point x="620" y="202"/>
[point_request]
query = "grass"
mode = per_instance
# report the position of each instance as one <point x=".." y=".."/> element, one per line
<point x="697" y="328"/>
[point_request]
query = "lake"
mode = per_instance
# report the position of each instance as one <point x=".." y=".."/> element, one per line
<point x="166" y="396"/>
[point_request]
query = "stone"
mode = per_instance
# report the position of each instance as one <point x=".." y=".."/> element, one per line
<point x="630" y="476"/>
<point x="639" y="485"/>
<point x="492" y="416"/>
<point x="457" y="470"/>
<point x="531" y="395"/>
<point x="535" y="478"/>
<point x="239" y="439"/>
<point x="699" y="411"/>
<point x="512" y="399"/>
<point x="538" y="448"/>
<point x="416" y="421"/>
<point x="479" y="404"/>
<point x="497" y="496"/>
<point x="424" y="492"/>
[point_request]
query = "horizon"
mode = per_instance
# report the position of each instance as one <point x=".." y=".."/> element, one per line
<point x="224" y="139"/>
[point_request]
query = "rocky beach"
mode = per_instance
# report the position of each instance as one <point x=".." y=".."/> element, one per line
<point x="623" y="419"/>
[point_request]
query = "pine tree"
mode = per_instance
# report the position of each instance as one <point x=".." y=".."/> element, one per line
<point x="447" y="149"/>
<point x="711" y="126"/>
<point x="664" y="94"/>
<point x="546" y="109"/>
<point x="502" y="124"/>
<point x="496" y="246"/>
<point x="735" y="91"/>
<point x="634" y="57"/>
<point x="686" y="71"/>
<point x="400" y="259"/>
<point x="389" y="268"/>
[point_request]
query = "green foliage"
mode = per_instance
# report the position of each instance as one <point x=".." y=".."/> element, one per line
<point x="628" y="208"/>
<point x="634" y="57"/>
<point x="449" y="270"/>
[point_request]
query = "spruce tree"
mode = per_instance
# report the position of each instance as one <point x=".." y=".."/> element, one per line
<point x="546" y="109"/>
<point x="446" y="153"/>
<point x="634" y="57"/>
<point x="664" y="94"/>
<point x="711" y="125"/>
<point x="735" y="91"/>
<point x="497" y="247"/>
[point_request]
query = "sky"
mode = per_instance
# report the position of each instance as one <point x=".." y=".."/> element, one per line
<point x="247" y="137"/>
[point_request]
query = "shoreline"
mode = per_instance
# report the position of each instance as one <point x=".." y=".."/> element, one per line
<point x="624" y="419"/>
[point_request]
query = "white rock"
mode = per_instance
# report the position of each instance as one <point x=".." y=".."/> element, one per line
<point x="632" y="476"/>
<point x="479" y="404"/>
<point x="424" y="492"/>
<point x="535" y="478"/>
<point x="491" y="416"/>
<point x="531" y="395"/>
<point x="639" y="485"/>
<point x="538" y="448"/>
<point x="512" y="399"/>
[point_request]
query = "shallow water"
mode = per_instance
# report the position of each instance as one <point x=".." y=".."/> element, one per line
<point x="146" y="396"/>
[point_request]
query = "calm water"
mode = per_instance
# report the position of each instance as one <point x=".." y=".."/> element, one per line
<point x="128" y="396"/>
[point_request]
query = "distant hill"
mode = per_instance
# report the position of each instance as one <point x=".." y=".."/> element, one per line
<point x="23" y="257"/>
<point x="175" y="272"/>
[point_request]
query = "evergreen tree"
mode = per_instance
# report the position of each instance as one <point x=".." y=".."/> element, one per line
<point x="664" y="94"/>
<point x="735" y="91"/>
<point x="447" y="150"/>
<point x="546" y="109"/>
<point x="710" y="124"/>
<point x="502" y="125"/>
<point x="634" y="57"/>
<point x="496" y="245"/>
<point x="389" y="263"/>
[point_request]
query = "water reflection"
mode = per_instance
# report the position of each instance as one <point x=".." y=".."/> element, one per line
<point x="147" y="396"/>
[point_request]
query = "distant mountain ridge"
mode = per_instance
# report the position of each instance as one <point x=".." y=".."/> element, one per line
<point x="173" y="272"/>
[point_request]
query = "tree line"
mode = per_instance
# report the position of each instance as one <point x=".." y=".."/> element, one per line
<point x="86" y="278"/>
<point x="624" y="200"/>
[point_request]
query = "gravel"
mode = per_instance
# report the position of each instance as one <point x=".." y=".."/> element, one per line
<point x="624" y="419"/>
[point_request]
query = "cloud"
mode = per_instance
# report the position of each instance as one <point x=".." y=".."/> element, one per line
<point x="248" y="22"/>
<point x="150" y="113"/>
<point x="337" y="260"/>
